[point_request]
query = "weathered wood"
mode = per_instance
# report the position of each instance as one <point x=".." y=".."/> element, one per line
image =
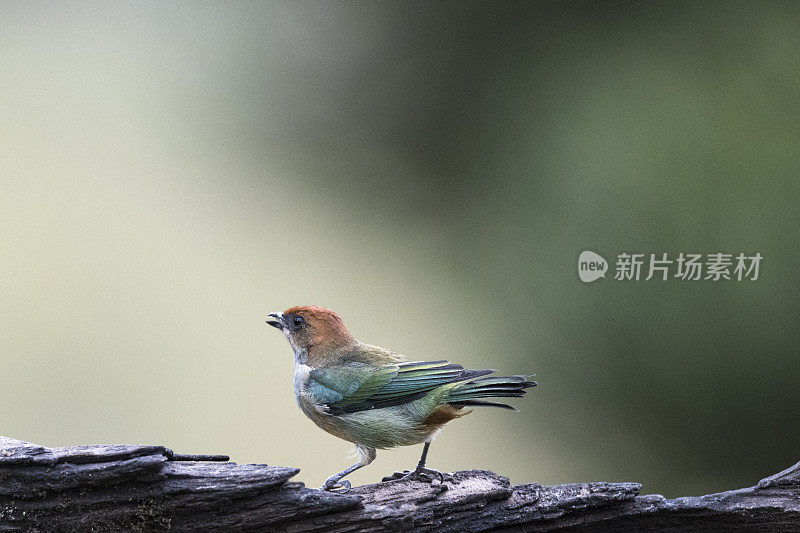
<point x="17" y="452"/>
<point x="150" y="488"/>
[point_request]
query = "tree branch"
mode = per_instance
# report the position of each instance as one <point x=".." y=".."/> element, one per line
<point x="150" y="488"/>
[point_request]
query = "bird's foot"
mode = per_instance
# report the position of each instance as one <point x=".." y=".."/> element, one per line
<point x="418" y="474"/>
<point x="336" y="485"/>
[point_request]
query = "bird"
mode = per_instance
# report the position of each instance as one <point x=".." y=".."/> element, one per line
<point x="374" y="397"/>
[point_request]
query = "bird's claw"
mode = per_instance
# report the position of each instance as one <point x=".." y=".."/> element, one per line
<point x="419" y="474"/>
<point x="341" y="486"/>
<point x="426" y="474"/>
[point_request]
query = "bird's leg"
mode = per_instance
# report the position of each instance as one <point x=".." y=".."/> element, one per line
<point x="420" y="472"/>
<point x="334" y="483"/>
<point x="423" y="458"/>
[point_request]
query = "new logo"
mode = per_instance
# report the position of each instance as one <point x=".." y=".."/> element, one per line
<point x="591" y="266"/>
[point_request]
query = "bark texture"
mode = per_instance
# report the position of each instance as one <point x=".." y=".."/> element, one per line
<point x="150" y="488"/>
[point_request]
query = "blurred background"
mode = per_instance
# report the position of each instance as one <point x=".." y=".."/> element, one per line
<point x="169" y="174"/>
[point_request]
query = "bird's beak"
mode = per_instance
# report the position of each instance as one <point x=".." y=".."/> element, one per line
<point x="275" y="320"/>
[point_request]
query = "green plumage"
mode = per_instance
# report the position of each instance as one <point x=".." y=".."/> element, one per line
<point x="358" y="386"/>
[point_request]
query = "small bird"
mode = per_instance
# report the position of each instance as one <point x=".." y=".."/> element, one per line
<point x="372" y="396"/>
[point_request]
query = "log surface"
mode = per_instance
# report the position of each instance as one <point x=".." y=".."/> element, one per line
<point x="150" y="488"/>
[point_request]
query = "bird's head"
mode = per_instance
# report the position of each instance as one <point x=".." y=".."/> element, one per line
<point x="313" y="331"/>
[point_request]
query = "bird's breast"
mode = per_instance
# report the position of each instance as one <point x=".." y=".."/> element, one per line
<point x="301" y="377"/>
<point x="301" y="374"/>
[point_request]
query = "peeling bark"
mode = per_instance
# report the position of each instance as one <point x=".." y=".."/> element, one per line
<point x="150" y="488"/>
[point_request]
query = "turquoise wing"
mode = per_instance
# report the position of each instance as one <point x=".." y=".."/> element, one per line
<point x="358" y="386"/>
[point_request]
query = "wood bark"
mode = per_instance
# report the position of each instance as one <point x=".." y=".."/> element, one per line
<point x="150" y="488"/>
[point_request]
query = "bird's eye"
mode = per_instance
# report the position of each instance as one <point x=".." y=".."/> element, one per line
<point x="298" y="322"/>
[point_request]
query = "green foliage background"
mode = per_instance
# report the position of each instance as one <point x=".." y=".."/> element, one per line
<point x="170" y="173"/>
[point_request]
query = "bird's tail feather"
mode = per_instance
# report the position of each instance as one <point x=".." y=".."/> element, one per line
<point x="472" y="392"/>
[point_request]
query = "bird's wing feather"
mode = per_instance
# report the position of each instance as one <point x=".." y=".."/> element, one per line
<point x="341" y="385"/>
<point x="357" y="386"/>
